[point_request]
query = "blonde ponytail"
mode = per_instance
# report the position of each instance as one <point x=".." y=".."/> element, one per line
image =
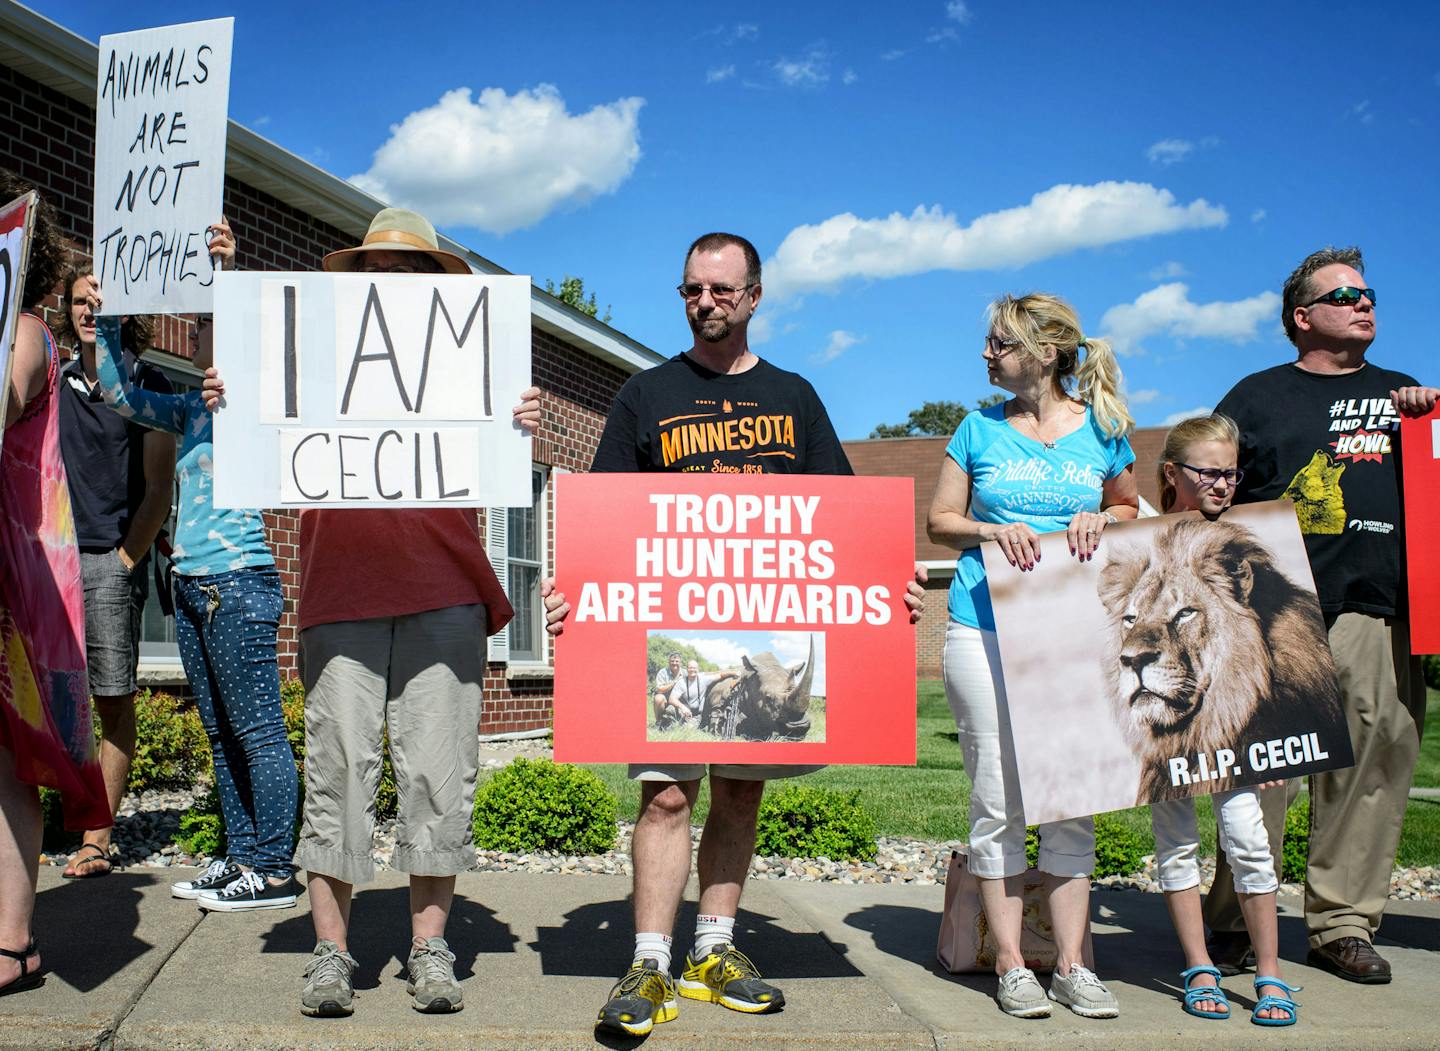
<point x="1097" y="381"/>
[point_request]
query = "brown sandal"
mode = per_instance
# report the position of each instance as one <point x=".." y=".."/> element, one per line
<point x="77" y="861"/>
<point x="28" y="979"/>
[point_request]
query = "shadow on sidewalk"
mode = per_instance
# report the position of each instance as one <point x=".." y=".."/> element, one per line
<point x="380" y="934"/>
<point x="86" y="928"/>
<point x="597" y="941"/>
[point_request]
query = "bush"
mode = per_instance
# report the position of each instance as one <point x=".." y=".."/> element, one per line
<point x="54" y="838"/>
<point x="800" y="821"/>
<point x="202" y="828"/>
<point x="171" y="749"/>
<point x="1296" y="852"/>
<point x="534" y="804"/>
<point x="1430" y="667"/>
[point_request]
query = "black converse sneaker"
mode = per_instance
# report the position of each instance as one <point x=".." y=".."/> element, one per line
<point x="221" y="873"/>
<point x="250" y="891"/>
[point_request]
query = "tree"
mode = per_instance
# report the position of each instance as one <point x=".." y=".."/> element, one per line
<point x="933" y="419"/>
<point x="572" y="292"/>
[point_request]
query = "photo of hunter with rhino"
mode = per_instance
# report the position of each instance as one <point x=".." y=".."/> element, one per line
<point x="735" y="686"/>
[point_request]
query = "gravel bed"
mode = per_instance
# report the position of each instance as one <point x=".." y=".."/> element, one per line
<point x="145" y="836"/>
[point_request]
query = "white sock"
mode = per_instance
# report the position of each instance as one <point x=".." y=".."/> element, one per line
<point x="710" y="932"/>
<point x="651" y="945"/>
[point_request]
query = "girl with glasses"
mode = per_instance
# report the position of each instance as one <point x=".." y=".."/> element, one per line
<point x="1197" y="472"/>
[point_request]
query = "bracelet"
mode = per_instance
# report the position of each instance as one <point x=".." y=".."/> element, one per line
<point x="1112" y="518"/>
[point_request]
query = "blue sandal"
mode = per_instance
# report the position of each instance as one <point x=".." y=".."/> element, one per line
<point x="1283" y="1003"/>
<point x="1205" y="992"/>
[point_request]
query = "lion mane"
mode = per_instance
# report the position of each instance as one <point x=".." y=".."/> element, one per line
<point x="1210" y="646"/>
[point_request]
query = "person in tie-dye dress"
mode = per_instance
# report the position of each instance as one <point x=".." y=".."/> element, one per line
<point x="46" y="737"/>
<point x="228" y="604"/>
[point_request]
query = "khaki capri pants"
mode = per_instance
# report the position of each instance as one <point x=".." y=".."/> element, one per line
<point x="419" y="676"/>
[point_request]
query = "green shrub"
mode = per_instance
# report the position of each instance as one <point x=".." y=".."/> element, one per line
<point x="1119" y="849"/>
<point x="202" y="828"/>
<point x="800" y="821"/>
<point x="534" y="804"/>
<point x="1430" y="667"/>
<point x="54" y="838"/>
<point x="171" y="749"/>
<point x="1296" y="852"/>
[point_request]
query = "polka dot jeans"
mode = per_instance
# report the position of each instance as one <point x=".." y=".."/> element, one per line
<point x="226" y="626"/>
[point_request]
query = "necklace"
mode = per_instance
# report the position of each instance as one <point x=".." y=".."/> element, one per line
<point x="1035" y="426"/>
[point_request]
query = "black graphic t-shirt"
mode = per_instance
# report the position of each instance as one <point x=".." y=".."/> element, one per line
<point x="1330" y="443"/>
<point x="680" y="416"/>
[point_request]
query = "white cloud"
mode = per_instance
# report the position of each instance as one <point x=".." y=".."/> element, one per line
<point x="958" y="11"/>
<point x="793" y="647"/>
<point x="1168" y="271"/>
<point x="1176" y="417"/>
<point x="502" y="162"/>
<point x="893" y="54"/>
<point x="810" y="70"/>
<point x="724" y="652"/>
<point x="1258" y="215"/>
<point x="719" y="73"/>
<point x="260" y="121"/>
<point x="942" y="35"/>
<point x="1362" y="111"/>
<point x="840" y="342"/>
<point x="1169" y="151"/>
<point x="850" y="77"/>
<point x="1142" y="397"/>
<point x="1167" y="310"/>
<point x="1058" y="220"/>
<point x="733" y="34"/>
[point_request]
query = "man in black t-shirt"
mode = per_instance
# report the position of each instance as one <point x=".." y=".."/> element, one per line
<point x="716" y="408"/>
<point x="1323" y="431"/>
<point x="121" y="476"/>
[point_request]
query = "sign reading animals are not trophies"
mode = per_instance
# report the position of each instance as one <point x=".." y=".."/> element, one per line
<point x="1188" y="657"/>
<point x="735" y="619"/>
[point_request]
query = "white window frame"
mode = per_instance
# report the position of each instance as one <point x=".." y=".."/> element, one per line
<point x="497" y="543"/>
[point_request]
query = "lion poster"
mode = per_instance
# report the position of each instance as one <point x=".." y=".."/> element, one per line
<point x="1187" y="657"/>
<point x="752" y="618"/>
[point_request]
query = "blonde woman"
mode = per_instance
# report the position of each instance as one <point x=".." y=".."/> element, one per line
<point x="1053" y="457"/>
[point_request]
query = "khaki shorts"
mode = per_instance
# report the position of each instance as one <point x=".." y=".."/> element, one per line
<point x="734" y="771"/>
<point x="418" y="676"/>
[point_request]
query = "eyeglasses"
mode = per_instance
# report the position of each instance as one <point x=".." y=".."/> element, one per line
<point x="1344" y="296"/>
<point x="395" y="268"/>
<point x="1000" y="347"/>
<point x="719" y="293"/>
<point x="1208" y="476"/>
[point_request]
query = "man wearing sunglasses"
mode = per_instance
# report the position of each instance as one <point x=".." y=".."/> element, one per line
<point x="1322" y="431"/>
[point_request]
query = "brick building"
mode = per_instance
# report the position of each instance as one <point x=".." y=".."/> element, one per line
<point x="919" y="458"/>
<point x="287" y="214"/>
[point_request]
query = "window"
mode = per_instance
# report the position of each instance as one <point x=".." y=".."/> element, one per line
<point x="524" y="566"/>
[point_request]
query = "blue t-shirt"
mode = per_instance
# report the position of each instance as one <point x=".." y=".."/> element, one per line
<point x="1014" y="478"/>
<point x="208" y="540"/>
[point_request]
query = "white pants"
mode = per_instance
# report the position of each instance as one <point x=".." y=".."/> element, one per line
<point x="1240" y="829"/>
<point x="976" y="691"/>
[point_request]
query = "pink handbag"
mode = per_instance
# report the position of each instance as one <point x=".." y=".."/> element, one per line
<point x="966" y="944"/>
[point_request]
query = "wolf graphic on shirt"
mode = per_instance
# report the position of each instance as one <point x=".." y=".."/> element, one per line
<point x="1319" y="500"/>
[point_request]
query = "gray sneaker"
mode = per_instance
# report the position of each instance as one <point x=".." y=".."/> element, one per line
<point x="1021" y="996"/>
<point x="328" y="992"/>
<point x="432" y="977"/>
<point x="1083" y="993"/>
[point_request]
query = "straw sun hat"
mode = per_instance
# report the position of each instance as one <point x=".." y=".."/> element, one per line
<point x="396" y="230"/>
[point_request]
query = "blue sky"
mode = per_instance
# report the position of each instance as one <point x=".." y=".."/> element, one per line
<point x="897" y="165"/>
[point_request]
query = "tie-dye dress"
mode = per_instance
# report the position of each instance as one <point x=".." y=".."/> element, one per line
<point x="45" y="715"/>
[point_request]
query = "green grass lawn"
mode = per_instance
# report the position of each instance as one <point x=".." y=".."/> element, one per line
<point x="930" y="799"/>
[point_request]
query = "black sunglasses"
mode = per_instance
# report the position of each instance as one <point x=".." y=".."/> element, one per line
<point x="1344" y="296"/>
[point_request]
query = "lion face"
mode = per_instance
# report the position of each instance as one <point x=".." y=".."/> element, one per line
<point x="1178" y="616"/>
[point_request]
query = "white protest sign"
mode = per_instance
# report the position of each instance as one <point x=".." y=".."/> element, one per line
<point x="371" y="390"/>
<point x="161" y="113"/>
<point x="15" y="220"/>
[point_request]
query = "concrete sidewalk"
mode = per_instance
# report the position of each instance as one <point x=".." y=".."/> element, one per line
<point x="130" y="967"/>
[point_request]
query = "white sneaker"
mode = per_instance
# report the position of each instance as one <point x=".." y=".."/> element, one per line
<point x="1021" y="996"/>
<point x="251" y="891"/>
<point x="221" y="873"/>
<point x="1083" y="993"/>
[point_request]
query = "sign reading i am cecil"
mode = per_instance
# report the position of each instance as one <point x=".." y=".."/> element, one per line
<point x="735" y="619"/>
<point x="161" y="117"/>
<point x="371" y="390"/>
<point x="1420" y="438"/>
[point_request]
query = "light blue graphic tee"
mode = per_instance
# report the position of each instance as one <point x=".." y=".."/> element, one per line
<point x="1014" y="478"/>
<point x="207" y="540"/>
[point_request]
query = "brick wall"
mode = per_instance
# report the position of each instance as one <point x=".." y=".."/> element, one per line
<point x="48" y="139"/>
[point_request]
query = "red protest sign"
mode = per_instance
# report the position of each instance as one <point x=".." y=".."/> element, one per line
<point x="735" y="619"/>
<point x="1420" y="442"/>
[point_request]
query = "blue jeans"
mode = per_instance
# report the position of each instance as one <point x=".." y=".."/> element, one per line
<point x="226" y="625"/>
